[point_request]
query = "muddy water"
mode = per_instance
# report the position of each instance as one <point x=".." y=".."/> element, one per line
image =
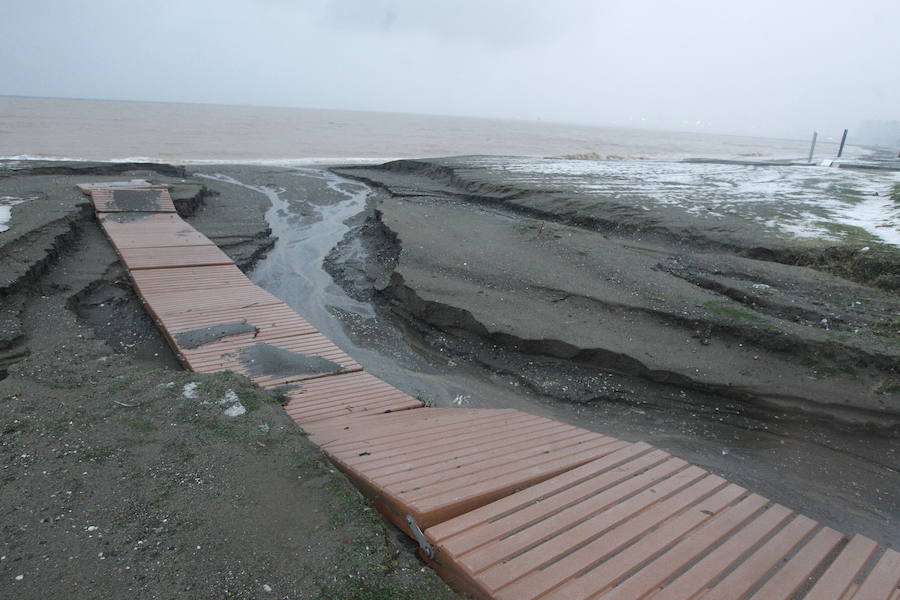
<point x="848" y="480"/>
<point x="289" y="271"/>
<point x="310" y="207"/>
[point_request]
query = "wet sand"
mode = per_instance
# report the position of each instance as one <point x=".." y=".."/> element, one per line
<point x="716" y="305"/>
<point x="841" y="474"/>
<point x="821" y="454"/>
<point x="125" y="476"/>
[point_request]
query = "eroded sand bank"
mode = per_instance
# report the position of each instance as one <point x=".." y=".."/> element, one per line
<point x="122" y="475"/>
<point x="624" y="278"/>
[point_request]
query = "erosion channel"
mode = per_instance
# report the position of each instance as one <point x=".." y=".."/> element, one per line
<point x="715" y="354"/>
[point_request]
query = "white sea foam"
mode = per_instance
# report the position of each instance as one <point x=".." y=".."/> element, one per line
<point x="6" y="204"/>
<point x="880" y="216"/>
<point x="803" y="197"/>
<point x="48" y="157"/>
<point x="267" y="162"/>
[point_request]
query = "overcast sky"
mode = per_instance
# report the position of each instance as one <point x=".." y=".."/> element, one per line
<point x="758" y="67"/>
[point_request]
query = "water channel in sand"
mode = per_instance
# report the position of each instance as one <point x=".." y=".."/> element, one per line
<point x="307" y="228"/>
<point x="824" y="473"/>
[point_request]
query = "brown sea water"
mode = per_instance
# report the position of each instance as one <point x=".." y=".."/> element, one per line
<point x="107" y="130"/>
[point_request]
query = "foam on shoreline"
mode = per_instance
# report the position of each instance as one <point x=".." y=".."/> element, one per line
<point x="6" y="204"/>
<point x="268" y="162"/>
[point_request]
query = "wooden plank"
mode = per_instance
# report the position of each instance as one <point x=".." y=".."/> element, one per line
<point x="488" y="462"/>
<point x="758" y="564"/>
<point x="785" y="583"/>
<point x="603" y="576"/>
<point x="343" y="395"/>
<point x="689" y="583"/>
<point x="462" y="484"/>
<point x="883" y="580"/>
<point x="258" y="359"/>
<point x="182" y="256"/>
<point x="205" y="278"/>
<point x="404" y="430"/>
<point x="453" y="533"/>
<point x="167" y="304"/>
<point x="149" y="230"/>
<point x="541" y="568"/>
<point x="842" y="573"/>
<point x="502" y="444"/>
<point x="455" y="440"/>
<point x="625" y="499"/>
<point x="687" y="550"/>
<point x="271" y="317"/>
<point x="87" y="188"/>
<point x="132" y="199"/>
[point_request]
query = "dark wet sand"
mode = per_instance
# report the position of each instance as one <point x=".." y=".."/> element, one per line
<point x="122" y="475"/>
<point x="829" y="467"/>
<point x="846" y="477"/>
<point x="843" y="475"/>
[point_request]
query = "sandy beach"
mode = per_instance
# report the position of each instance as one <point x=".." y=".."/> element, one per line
<point x="405" y="300"/>
<point x="460" y="282"/>
<point x="122" y="474"/>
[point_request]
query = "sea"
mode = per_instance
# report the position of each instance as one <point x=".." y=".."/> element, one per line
<point x="99" y="130"/>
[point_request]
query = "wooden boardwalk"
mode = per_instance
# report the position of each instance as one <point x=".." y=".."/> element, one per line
<point x="503" y="504"/>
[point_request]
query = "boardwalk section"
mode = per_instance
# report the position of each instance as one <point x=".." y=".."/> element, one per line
<point x="433" y="464"/>
<point x="505" y="505"/>
<point x="216" y="319"/>
<point x="635" y="524"/>
<point x="148" y="198"/>
<point x="350" y="394"/>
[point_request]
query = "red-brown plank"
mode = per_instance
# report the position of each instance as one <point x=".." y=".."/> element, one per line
<point x="882" y="582"/>
<point x="603" y="576"/>
<point x="732" y="550"/>
<point x="132" y="199"/>
<point x="534" y="572"/>
<point x="687" y="550"/>
<point x="755" y="567"/>
<point x="87" y="188"/>
<point x="536" y="510"/>
<point x="338" y="395"/>
<point x="180" y="256"/>
<point x="452" y="534"/>
<point x="839" y="576"/>
<point x="387" y="431"/>
<point x="150" y="230"/>
<point x="785" y="583"/>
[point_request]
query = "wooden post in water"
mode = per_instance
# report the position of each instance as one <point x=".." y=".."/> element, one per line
<point x="812" y="147"/>
<point x="843" y="139"/>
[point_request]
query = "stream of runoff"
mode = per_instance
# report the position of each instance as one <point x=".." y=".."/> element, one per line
<point x="308" y="216"/>
<point x="813" y="469"/>
<point x="292" y="270"/>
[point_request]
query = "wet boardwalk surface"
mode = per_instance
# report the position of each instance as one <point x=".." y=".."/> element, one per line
<point x="504" y="504"/>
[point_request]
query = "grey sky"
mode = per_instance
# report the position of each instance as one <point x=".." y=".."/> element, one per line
<point x="762" y="67"/>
